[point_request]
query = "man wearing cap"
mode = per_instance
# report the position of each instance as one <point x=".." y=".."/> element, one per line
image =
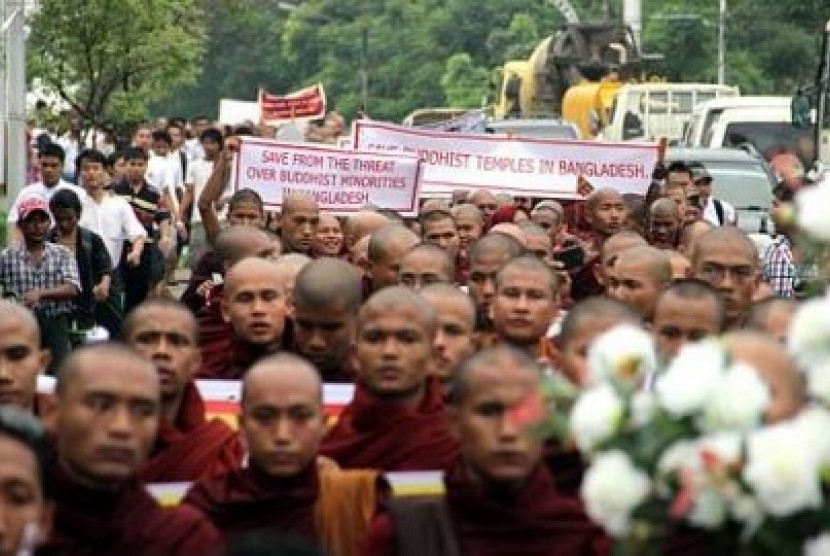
<point x="42" y="276"/>
<point x="716" y="211"/>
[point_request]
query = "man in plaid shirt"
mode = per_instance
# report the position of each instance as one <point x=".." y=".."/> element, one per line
<point x="779" y="268"/>
<point x="43" y="276"/>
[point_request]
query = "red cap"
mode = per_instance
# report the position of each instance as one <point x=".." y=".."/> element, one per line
<point x="30" y="205"/>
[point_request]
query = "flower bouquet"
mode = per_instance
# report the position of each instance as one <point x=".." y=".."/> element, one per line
<point x="681" y="462"/>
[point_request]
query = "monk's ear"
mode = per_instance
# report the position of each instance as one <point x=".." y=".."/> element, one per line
<point x="44" y="358"/>
<point x="289" y="303"/>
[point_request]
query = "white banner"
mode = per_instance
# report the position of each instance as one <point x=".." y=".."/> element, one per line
<point x="532" y="167"/>
<point x="341" y="181"/>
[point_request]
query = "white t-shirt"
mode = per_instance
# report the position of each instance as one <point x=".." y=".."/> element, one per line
<point x="114" y="220"/>
<point x="39" y="189"/>
<point x="711" y="214"/>
<point x="164" y="172"/>
<point x="194" y="150"/>
<point x="198" y="172"/>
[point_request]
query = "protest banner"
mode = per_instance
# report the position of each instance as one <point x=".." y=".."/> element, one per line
<point x="522" y="166"/>
<point x="308" y="103"/>
<point x="235" y="112"/>
<point x="341" y="181"/>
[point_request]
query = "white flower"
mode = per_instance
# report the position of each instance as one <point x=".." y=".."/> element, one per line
<point x="612" y="489"/>
<point x="738" y="403"/>
<point x="813" y="425"/>
<point x="818" y="378"/>
<point x="726" y="446"/>
<point x="681" y="454"/>
<point x="809" y="335"/>
<point x="783" y="470"/>
<point x="643" y="408"/>
<point x="818" y="546"/>
<point x="746" y="510"/>
<point x="811" y="210"/>
<point x="691" y="378"/>
<point x="595" y="416"/>
<point x="625" y="355"/>
<point x="708" y="510"/>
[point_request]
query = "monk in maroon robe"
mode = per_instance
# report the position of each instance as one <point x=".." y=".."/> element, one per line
<point x="255" y="304"/>
<point x="396" y="421"/>
<point x="187" y="446"/>
<point x="283" y="488"/>
<point x="327" y="297"/>
<point x="500" y="498"/>
<point x="106" y="416"/>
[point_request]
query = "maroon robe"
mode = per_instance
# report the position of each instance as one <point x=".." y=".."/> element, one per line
<point x="192" y="447"/>
<point x="246" y="500"/>
<point x="566" y="466"/>
<point x="392" y="437"/>
<point x="206" y="266"/>
<point x="533" y="521"/>
<point x="215" y="336"/>
<point x="124" y="522"/>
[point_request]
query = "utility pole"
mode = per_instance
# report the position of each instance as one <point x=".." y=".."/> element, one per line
<point x="722" y="43"/>
<point x="15" y="97"/>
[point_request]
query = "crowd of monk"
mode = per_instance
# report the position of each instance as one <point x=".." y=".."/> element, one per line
<point x="445" y="325"/>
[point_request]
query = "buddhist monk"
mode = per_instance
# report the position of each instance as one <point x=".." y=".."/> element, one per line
<point x="664" y="221"/>
<point x="255" y="303"/>
<point x="639" y="275"/>
<point x="438" y="228"/>
<point x="289" y="267"/>
<point x="455" y="337"/>
<point x="327" y="297"/>
<point x="107" y="415"/>
<point x="681" y="266"/>
<point x="526" y="302"/>
<point x="726" y="258"/>
<point x="187" y="446"/>
<point x="485" y="202"/>
<point x="232" y="245"/>
<point x="773" y="316"/>
<point x="298" y="222"/>
<point x="387" y="247"/>
<point x="21" y="357"/>
<point x="426" y="264"/>
<point x="25" y="511"/>
<point x="487" y="255"/>
<point x="283" y="488"/>
<point x="469" y="221"/>
<point x="687" y="311"/>
<point x="606" y="214"/>
<point x="512" y="230"/>
<point x="396" y="421"/>
<point x="610" y="252"/>
<point x="500" y="498"/>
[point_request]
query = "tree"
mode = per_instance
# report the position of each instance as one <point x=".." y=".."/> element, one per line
<point x="108" y="59"/>
<point x="464" y="84"/>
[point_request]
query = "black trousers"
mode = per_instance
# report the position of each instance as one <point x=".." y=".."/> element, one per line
<point x="140" y="280"/>
<point x="54" y="336"/>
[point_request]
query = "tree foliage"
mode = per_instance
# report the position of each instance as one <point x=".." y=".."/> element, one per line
<point x="109" y="59"/>
<point x="436" y="52"/>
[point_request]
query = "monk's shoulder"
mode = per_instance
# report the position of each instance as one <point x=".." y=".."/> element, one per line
<point x="210" y="491"/>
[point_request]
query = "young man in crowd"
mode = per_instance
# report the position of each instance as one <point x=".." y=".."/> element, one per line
<point x="455" y="337"/>
<point x="22" y="359"/>
<point x="638" y="277"/>
<point x="43" y="276"/>
<point x="426" y="264"/>
<point x="387" y="247"/>
<point x="198" y="173"/>
<point x="687" y="311"/>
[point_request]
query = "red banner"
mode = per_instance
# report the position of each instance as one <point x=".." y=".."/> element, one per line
<point x="309" y="103"/>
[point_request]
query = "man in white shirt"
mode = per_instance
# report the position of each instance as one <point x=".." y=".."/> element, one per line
<point x="193" y="146"/>
<point x="51" y="160"/>
<point x="716" y="211"/>
<point x="108" y="215"/>
<point x="198" y="172"/>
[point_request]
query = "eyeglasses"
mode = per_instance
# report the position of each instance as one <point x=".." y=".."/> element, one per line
<point x="716" y="273"/>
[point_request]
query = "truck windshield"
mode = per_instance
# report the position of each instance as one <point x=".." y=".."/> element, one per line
<point x="742" y="184"/>
<point x="770" y="138"/>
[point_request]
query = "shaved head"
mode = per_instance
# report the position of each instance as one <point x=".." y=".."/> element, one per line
<point x="618" y="243"/>
<point x="501" y="359"/>
<point x="238" y="242"/>
<point x="503" y="245"/>
<point x="296" y="202"/>
<point x="656" y="260"/>
<point x="664" y="206"/>
<point x="362" y="224"/>
<point x="450" y="292"/>
<point x="91" y="357"/>
<point x="17" y="313"/>
<point x="283" y="368"/>
<point x="512" y="230"/>
<point x="467" y="210"/>
<point x="600" y="195"/>
<point x="720" y="235"/>
<point x="394" y="299"/>
<point x="328" y="282"/>
<point x="244" y="269"/>
<point x="387" y="236"/>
